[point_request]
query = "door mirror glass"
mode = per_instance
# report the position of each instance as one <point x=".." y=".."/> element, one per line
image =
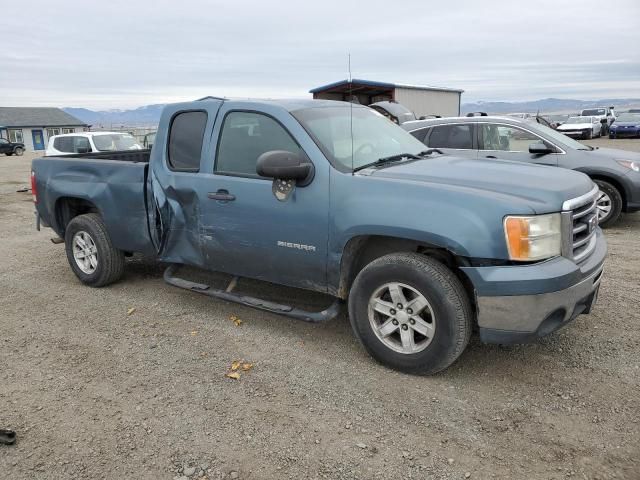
<point x="539" y="148"/>
<point x="284" y="165"/>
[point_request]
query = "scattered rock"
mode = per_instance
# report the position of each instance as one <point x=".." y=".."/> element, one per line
<point x="361" y="445"/>
<point x="188" y="471"/>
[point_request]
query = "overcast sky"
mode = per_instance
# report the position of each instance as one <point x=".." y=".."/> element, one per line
<point x="123" y="54"/>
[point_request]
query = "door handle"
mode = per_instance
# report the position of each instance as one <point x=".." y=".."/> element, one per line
<point x="491" y="156"/>
<point x="221" y="195"/>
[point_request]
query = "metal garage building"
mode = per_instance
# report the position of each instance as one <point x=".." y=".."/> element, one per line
<point x="422" y="100"/>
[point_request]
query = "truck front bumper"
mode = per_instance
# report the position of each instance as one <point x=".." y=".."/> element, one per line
<point x="520" y="304"/>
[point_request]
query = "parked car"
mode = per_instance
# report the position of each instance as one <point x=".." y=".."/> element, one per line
<point x="582" y="127"/>
<point x="617" y="172"/>
<point x="11" y="148"/>
<point x="396" y="112"/>
<point x="334" y="198"/>
<point x="606" y="116"/>
<point x="626" y="125"/>
<point x="86" y="142"/>
<point x="633" y="110"/>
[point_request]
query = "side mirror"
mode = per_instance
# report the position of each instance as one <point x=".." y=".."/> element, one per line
<point x="539" y="148"/>
<point x="284" y="165"/>
<point x="287" y="169"/>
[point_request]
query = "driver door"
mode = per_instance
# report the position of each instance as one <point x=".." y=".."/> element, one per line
<point x="245" y="229"/>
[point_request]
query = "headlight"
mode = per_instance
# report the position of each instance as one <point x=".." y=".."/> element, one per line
<point x="533" y="238"/>
<point x="635" y="166"/>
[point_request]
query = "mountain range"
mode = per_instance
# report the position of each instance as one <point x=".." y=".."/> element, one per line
<point x="150" y="114"/>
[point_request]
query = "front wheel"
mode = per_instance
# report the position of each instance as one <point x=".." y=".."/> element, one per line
<point x="411" y="313"/>
<point x="94" y="260"/>
<point x="609" y="204"/>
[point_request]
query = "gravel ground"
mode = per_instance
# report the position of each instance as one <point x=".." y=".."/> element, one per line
<point x="95" y="389"/>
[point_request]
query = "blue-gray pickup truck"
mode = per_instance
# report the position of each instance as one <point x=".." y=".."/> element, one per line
<point x="423" y="247"/>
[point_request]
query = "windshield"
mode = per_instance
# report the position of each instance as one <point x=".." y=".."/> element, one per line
<point x="115" y="141"/>
<point x="628" y="117"/>
<point x="374" y="136"/>
<point x="595" y="111"/>
<point x="558" y="137"/>
<point x="578" y="120"/>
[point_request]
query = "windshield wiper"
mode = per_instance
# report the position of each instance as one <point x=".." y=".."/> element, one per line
<point x="424" y="153"/>
<point x="391" y="159"/>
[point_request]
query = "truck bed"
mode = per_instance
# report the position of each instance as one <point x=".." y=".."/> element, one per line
<point x="113" y="183"/>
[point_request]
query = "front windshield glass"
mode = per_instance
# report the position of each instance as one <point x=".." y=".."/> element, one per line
<point x="579" y="120"/>
<point x="595" y="111"/>
<point x="115" y="141"/>
<point x="628" y="117"/>
<point x="374" y="136"/>
<point x="557" y="137"/>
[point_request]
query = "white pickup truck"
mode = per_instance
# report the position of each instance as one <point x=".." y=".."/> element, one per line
<point x="606" y="115"/>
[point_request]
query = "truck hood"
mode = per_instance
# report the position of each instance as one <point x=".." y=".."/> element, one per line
<point x="542" y="189"/>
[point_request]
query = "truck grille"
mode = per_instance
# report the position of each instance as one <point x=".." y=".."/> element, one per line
<point x="580" y="219"/>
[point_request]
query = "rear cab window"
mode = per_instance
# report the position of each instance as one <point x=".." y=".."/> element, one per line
<point x="186" y="135"/>
<point x="458" y="136"/>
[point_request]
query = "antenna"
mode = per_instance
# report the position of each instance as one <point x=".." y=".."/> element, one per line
<point x="350" y="108"/>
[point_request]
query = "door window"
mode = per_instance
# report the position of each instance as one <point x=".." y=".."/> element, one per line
<point x="244" y="137"/>
<point x="185" y="141"/>
<point x="505" y="138"/>
<point x="72" y="144"/>
<point x="451" y="136"/>
<point x="420" y="134"/>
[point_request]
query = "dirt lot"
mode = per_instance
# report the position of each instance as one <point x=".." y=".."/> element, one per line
<point x="96" y="393"/>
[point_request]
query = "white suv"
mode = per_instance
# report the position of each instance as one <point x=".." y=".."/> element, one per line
<point x="86" y="142"/>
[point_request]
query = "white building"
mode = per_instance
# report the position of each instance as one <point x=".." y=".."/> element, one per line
<point x="422" y="100"/>
<point x="34" y="126"/>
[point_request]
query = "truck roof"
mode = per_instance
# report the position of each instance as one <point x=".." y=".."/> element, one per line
<point x="290" y="104"/>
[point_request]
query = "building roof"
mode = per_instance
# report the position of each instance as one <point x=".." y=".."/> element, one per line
<point x="385" y="85"/>
<point x="36" y="117"/>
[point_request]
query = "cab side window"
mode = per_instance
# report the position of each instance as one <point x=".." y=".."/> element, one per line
<point x="244" y="137"/>
<point x="185" y="141"/>
<point x="505" y="138"/>
<point x="421" y="134"/>
<point x="451" y="136"/>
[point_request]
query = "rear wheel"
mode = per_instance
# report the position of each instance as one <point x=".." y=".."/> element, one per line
<point x="609" y="203"/>
<point x="94" y="260"/>
<point x="19" y="151"/>
<point x="411" y="313"/>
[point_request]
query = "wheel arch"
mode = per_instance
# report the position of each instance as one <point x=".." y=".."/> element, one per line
<point x="613" y="181"/>
<point x="67" y="208"/>
<point x="361" y="250"/>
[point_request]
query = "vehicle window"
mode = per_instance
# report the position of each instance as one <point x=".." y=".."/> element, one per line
<point x="116" y="141"/>
<point x="63" y="144"/>
<point x="2" y="140"/>
<point x="506" y="138"/>
<point x="594" y="111"/>
<point x="185" y="141"/>
<point x="81" y="144"/>
<point x="247" y="135"/>
<point x="420" y="134"/>
<point x="353" y="136"/>
<point x="451" y="136"/>
<point x="628" y="117"/>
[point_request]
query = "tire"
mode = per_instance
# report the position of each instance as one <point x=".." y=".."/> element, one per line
<point x="92" y="232"/>
<point x="448" y="312"/>
<point x="613" y="199"/>
<point x="19" y="151"/>
<point x="8" y="154"/>
<point x="589" y="135"/>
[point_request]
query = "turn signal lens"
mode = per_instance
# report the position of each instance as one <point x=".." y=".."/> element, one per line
<point x="34" y="192"/>
<point x="533" y="238"/>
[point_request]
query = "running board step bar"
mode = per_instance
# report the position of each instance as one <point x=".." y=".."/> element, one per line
<point x="288" y="311"/>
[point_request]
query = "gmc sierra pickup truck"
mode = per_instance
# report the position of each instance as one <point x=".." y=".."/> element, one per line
<point x="332" y="197"/>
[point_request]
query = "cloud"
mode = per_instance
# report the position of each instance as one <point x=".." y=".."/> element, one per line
<point x="124" y="54"/>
